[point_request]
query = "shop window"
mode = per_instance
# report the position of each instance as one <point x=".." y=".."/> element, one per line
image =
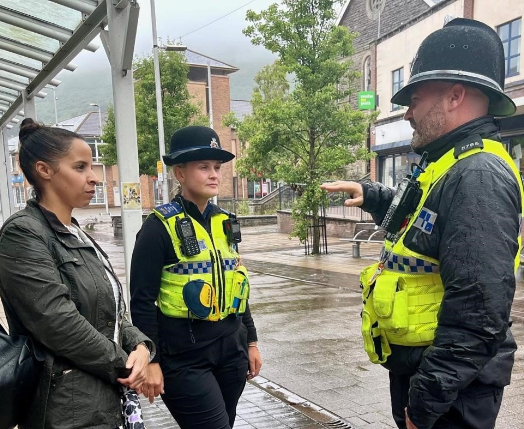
<point x="510" y="34"/>
<point x="99" y="197"/>
<point x="394" y="168"/>
<point x="397" y="78"/>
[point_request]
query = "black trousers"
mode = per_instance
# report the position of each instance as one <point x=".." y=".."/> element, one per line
<point x="202" y="387"/>
<point x="476" y="407"/>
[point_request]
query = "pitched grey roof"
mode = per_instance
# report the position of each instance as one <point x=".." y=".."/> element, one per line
<point x="86" y="125"/>
<point x="241" y="108"/>
<point x="91" y="125"/>
<point x="197" y="59"/>
<point x="72" y="124"/>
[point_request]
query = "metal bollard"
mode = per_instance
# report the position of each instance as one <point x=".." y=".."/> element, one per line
<point x="356" y="250"/>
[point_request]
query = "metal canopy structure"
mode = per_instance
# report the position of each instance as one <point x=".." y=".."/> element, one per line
<point x="39" y="39"/>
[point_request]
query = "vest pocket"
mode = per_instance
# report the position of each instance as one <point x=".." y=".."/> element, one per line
<point x="390" y="303"/>
<point x="239" y="291"/>
<point x="375" y="342"/>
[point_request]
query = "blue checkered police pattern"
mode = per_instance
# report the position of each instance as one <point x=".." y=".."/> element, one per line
<point x="405" y="264"/>
<point x="425" y="220"/>
<point x="230" y="264"/>
<point x="191" y="268"/>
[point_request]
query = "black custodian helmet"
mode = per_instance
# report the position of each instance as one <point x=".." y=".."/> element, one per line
<point x="464" y="50"/>
<point x="195" y="143"/>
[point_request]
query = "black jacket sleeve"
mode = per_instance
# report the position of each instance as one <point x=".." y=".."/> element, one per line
<point x="247" y="320"/>
<point x="478" y="244"/>
<point x="149" y="256"/>
<point x="377" y="199"/>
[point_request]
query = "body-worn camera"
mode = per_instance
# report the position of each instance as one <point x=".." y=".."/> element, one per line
<point x="232" y="230"/>
<point x="404" y="202"/>
<point x="186" y="233"/>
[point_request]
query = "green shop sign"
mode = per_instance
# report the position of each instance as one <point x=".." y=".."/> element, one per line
<point x="366" y="100"/>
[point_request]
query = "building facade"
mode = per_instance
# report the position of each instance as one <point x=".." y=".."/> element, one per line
<point x="384" y="58"/>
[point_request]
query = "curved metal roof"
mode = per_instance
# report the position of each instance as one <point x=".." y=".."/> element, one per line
<point x="38" y="39"/>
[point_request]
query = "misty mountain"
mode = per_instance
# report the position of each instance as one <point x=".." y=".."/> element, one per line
<point x="84" y="86"/>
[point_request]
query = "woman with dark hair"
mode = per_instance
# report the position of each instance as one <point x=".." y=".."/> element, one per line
<point x="58" y="287"/>
<point x="190" y="292"/>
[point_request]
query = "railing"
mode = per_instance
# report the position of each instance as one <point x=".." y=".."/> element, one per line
<point x="283" y="198"/>
<point x="355" y="213"/>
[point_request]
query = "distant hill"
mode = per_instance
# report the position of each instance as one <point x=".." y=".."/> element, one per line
<point x="77" y="90"/>
<point x="82" y="87"/>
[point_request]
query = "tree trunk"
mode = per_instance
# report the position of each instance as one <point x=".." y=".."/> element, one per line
<point x="316" y="235"/>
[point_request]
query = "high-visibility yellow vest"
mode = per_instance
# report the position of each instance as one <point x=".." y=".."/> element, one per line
<point x="217" y="264"/>
<point x="401" y="306"/>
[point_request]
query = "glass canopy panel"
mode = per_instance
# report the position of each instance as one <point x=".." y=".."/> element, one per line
<point x="19" y="59"/>
<point x="28" y="37"/>
<point x="14" y="77"/>
<point x="47" y="11"/>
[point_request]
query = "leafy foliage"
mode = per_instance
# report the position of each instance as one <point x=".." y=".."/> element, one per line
<point x="178" y="110"/>
<point x="305" y="134"/>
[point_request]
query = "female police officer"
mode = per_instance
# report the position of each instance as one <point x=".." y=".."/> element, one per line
<point x="185" y="260"/>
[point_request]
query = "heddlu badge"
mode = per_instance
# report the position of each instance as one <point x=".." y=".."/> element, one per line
<point x="425" y="220"/>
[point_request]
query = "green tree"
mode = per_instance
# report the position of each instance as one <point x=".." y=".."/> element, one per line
<point x="178" y="109"/>
<point x="306" y="134"/>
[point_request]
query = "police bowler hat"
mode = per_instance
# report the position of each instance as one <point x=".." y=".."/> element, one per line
<point x="195" y="143"/>
<point x="464" y="51"/>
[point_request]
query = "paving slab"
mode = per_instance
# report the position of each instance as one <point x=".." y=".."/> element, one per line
<point x="306" y="309"/>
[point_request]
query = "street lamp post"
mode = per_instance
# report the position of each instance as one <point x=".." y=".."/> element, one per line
<point x="54" y="100"/>
<point x="103" y="165"/>
<point x="159" y="112"/>
<point x="158" y="94"/>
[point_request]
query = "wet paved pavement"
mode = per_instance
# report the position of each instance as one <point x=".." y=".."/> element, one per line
<point x="256" y="409"/>
<point x="306" y="309"/>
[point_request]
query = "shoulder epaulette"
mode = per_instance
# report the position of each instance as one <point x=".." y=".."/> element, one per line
<point x="168" y="210"/>
<point x="471" y="142"/>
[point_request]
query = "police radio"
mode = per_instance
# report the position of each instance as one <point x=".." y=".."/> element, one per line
<point x="186" y="233"/>
<point x="232" y="230"/>
<point x="404" y="202"/>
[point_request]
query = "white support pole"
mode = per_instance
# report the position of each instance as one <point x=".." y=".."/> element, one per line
<point x="125" y="124"/>
<point x="6" y="188"/>
<point x="29" y="107"/>
<point x="159" y="107"/>
<point x="210" y="108"/>
<point x="210" y="95"/>
<point x="103" y="165"/>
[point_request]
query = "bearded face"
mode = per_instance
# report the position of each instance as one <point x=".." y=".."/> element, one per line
<point x="430" y="126"/>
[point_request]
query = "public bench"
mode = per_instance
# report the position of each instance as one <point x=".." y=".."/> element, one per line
<point x="116" y="221"/>
<point x="365" y="233"/>
<point x="90" y="222"/>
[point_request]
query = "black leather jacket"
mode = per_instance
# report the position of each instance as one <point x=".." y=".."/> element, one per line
<point x="55" y="289"/>
<point x="478" y="208"/>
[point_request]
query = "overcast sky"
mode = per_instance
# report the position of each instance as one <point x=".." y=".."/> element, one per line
<point x="222" y="40"/>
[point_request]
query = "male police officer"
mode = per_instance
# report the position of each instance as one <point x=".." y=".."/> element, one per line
<point x="437" y="305"/>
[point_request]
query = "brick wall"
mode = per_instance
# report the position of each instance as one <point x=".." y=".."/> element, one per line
<point x="109" y="185"/>
<point x="335" y="227"/>
<point x="358" y="19"/>
<point x="197" y="92"/>
<point x="468" y="8"/>
<point x="147" y="192"/>
<point x="221" y="107"/>
<point x="396" y="12"/>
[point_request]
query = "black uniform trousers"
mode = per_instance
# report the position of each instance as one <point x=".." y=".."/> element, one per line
<point x="476" y="407"/>
<point x="202" y="387"/>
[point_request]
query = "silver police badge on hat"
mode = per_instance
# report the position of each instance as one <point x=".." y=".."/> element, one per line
<point x="214" y="143"/>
